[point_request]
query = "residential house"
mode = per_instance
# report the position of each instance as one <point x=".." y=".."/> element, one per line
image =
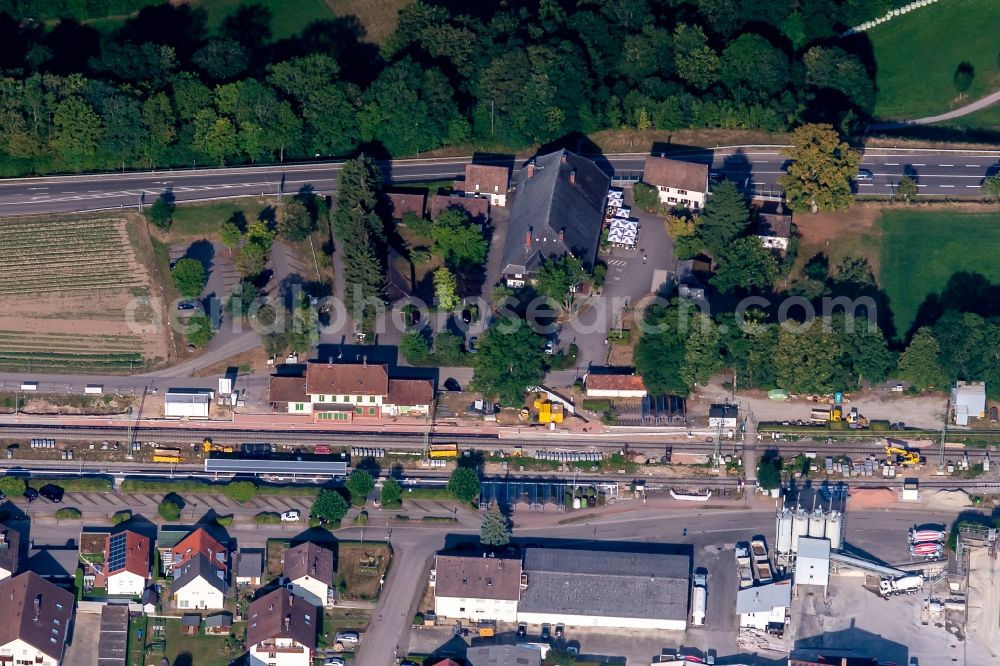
<point x="968" y="400"/>
<point x="615" y="386"/>
<point x="398" y="204"/>
<point x="347" y="392"/>
<point x="477" y="209"/>
<point x="12" y="559"/>
<point x="559" y="210"/>
<point x="218" y="624"/>
<point x="309" y="570"/>
<point x="124" y="566"/>
<point x="36" y="620"/>
<point x="723" y="415"/>
<point x="281" y="630"/>
<point x="196" y="542"/>
<point x="199" y="584"/>
<point x="249" y="567"/>
<point x="489" y="182"/>
<point x="503" y="655"/>
<point x="765" y="607"/>
<point x="677" y="183"/>
<point x="476" y="588"/>
<point x="772" y="225"/>
<point x="585" y="588"/>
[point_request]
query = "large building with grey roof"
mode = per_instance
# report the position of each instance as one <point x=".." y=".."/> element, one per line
<point x="586" y="588"/>
<point x="558" y="210"/>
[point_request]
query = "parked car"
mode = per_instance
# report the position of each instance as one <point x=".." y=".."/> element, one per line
<point x="347" y="637"/>
<point x="451" y="384"/>
<point x="560" y="630"/>
<point x="472" y="345"/>
<point x="30" y="494"/>
<point x="546" y="632"/>
<point x="865" y="176"/>
<point x="550" y="347"/>
<point x="52" y="493"/>
<point x="334" y="661"/>
<point x="2" y="496"/>
<point x="290" y="516"/>
<point x="522" y="630"/>
<point x="187" y="305"/>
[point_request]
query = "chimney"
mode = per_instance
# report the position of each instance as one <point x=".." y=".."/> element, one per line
<point x="364" y="360"/>
<point x="572" y="177"/>
<point x="563" y="158"/>
<point x="662" y="154"/>
<point x="38" y="607"/>
<point x="288" y="622"/>
<point x="291" y="599"/>
<point x="527" y="239"/>
<point x="562" y="235"/>
<point x="531" y="168"/>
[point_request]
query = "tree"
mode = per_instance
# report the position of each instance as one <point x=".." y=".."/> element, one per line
<point x="12" y="486"/>
<point x="188" y="276"/>
<point x="329" y="507"/>
<point x="659" y="354"/>
<point x="243" y="297"/>
<point x="702" y="358"/>
<point x="964" y="74"/>
<point x="511" y="358"/>
<point x="391" y="496"/>
<point x="836" y="69"/>
<point x="199" y="330"/>
<point x="991" y="186"/>
<point x="76" y="129"/>
<point x="170" y="508"/>
<point x="920" y="361"/>
<point x="251" y="260"/>
<point x="907" y="188"/>
<point x="296" y="222"/>
<point x="821" y="169"/>
<point x="807" y="361"/>
<point x="448" y="349"/>
<point x="304" y="332"/>
<point x="463" y="484"/>
<point x="214" y="136"/>
<point x="240" y="491"/>
<point x="751" y="66"/>
<point x="413" y="347"/>
<point x="696" y="61"/>
<point x="745" y="264"/>
<point x="726" y="216"/>
<point x="230" y="235"/>
<point x="444" y="289"/>
<point x="495" y="528"/>
<point x="360" y="484"/>
<point x="558" y="278"/>
<point x="459" y="242"/>
<point x="769" y="473"/>
<point x="161" y="213"/>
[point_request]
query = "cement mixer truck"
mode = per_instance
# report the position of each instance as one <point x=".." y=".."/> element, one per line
<point x="889" y="587"/>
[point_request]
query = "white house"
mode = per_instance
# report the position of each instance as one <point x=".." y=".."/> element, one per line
<point x="309" y="570"/>
<point x="127" y="564"/>
<point x="968" y="399"/>
<point x="772" y="225"/>
<point x="476" y="588"/>
<point x="615" y="386"/>
<point x="281" y="630"/>
<point x="677" y="183"/>
<point x="198" y="584"/>
<point x="765" y="606"/>
<point x="491" y="182"/>
<point x="723" y="415"/>
<point x="613" y="590"/>
<point x="187" y="403"/>
<point x="11" y="555"/>
<point x="36" y="619"/>
<point x="812" y="562"/>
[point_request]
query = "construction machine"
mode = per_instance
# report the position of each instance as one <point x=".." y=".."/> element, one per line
<point x="901" y="455"/>
<point x="208" y="446"/>
<point x="855" y="420"/>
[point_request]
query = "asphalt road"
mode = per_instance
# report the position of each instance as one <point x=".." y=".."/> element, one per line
<point x="951" y="173"/>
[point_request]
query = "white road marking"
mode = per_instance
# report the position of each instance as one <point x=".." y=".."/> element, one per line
<point x="866" y="184"/>
<point x="948" y="165"/>
<point x="975" y="186"/>
<point x="921" y="186"/>
<point x="946" y="186"/>
<point x="973" y="165"/>
<point x="892" y="163"/>
<point x="918" y="164"/>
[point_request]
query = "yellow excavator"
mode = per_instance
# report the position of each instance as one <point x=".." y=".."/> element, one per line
<point x="902" y="455"/>
<point x="208" y="447"/>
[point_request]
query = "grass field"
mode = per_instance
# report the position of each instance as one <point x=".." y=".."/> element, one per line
<point x="288" y="18"/>
<point x="921" y="250"/>
<point x="202" y="220"/>
<point x="986" y="119"/>
<point x="196" y="650"/>
<point x="69" y="287"/>
<point x="917" y="54"/>
<point x="379" y="18"/>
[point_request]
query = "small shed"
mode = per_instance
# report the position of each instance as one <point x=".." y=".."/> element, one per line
<point x="190" y="403"/>
<point x="968" y="399"/>
<point x="249" y="566"/>
<point x="723" y="415"/>
<point x="150" y="600"/>
<point x="190" y="624"/>
<point x="218" y="624"/>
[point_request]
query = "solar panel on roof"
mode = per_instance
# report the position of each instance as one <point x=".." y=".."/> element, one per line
<point x="116" y="553"/>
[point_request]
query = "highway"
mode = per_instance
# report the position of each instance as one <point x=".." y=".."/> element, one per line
<point x="938" y="173"/>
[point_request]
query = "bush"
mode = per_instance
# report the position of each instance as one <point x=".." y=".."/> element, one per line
<point x="413" y="346"/>
<point x="199" y="330"/>
<point x="121" y="517"/>
<point x="188" y="276"/>
<point x="224" y="521"/>
<point x="170" y="507"/>
<point x="69" y="513"/>
<point x="240" y="491"/>
<point x="769" y="473"/>
<point x="597" y="405"/>
<point x="418" y="619"/>
<point x="12" y="485"/>
<point x="267" y="518"/>
<point x="464" y="484"/>
<point x="391" y="495"/>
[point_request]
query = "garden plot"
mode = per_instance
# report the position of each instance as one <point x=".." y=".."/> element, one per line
<point x="70" y="289"/>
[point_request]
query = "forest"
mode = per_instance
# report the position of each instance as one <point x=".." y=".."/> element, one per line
<point x="163" y="89"/>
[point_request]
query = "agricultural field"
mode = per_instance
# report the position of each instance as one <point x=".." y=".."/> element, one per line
<point x="916" y="56"/>
<point x="70" y="287"/>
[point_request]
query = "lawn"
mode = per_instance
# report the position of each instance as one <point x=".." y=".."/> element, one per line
<point x="916" y="56"/>
<point x="985" y="119"/>
<point x="362" y="565"/>
<point x="287" y="18"/>
<point x="201" y="220"/>
<point x="196" y="650"/>
<point x="921" y="250"/>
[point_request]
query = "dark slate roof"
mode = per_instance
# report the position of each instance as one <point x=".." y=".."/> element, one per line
<point x="503" y="655"/>
<point x="53" y="562"/>
<point x="11" y="550"/>
<point x="199" y="566"/>
<point x="547" y="203"/>
<point x="37" y="612"/>
<point x="723" y="411"/>
<point x="606" y="584"/>
<point x="281" y="614"/>
<point x="250" y="564"/>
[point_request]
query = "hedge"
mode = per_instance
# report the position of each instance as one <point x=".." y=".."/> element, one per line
<point x="69" y="513"/>
<point x="204" y="487"/>
<point x="267" y="518"/>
